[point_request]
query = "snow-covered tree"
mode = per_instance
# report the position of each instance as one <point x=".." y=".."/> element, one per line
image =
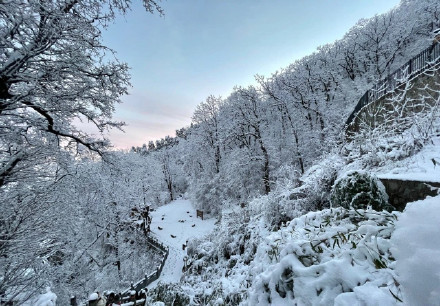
<point x="54" y="72"/>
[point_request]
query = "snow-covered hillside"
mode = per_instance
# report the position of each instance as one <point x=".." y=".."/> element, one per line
<point x="329" y="257"/>
<point x="423" y="166"/>
<point x="266" y="161"/>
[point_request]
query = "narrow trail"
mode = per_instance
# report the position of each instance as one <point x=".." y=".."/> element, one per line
<point x="173" y="224"/>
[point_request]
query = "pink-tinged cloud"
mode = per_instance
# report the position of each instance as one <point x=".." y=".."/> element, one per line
<point x="148" y="117"/>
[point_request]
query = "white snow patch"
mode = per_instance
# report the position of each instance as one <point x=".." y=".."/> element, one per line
<point x="417" y="251"/>
<point x="174" y="234"/>
<point x="423" y="166"/>
<point x="46" y="299"/>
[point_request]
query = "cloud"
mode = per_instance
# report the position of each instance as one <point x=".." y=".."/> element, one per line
<point x="149" y="116"/>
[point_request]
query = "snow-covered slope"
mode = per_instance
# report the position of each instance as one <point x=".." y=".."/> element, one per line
<point x="167" y="227"/>
<point x="423" y="166"/>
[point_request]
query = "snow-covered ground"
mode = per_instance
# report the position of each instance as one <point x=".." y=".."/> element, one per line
<point x="46" y="299"/>
<point x="416" y="247"/>
<point x="423" y="166"/>
<point x="174" y="233"/>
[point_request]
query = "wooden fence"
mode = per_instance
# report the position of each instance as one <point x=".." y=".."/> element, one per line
<point x="199" y="214"/>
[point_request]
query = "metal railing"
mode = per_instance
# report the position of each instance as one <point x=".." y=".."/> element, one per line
<point x="418" y="64"/>
<point x="149" y="278"/>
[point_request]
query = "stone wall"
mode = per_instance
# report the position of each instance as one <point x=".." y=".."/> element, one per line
<point x="419" y="97"/>
<point x="402" y="192"/>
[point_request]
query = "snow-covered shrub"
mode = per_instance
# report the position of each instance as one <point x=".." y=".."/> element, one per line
<point x="375" y="148"/>
<point x="218" y="267"/>
<point x="286" y="176"/>
<point x="277" y="208"/>
<point x="170" y="294"/>
<point x="207" y="195"/>
<point x="46" y="299"/>
<point x="359" y="189"/>
<point x="335" y="256"/>
<point x="295" y="196"/>
<point x="317" y="182"/>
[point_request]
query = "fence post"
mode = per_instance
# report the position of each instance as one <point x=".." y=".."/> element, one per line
<point x="199" y="214"/>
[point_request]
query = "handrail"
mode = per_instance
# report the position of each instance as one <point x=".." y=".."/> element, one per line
<point x="418" y="64"/>
<point x="149" y="278"/>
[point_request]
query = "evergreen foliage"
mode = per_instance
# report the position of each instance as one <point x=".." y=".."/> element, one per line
<point x="359" y="189"/>
<point x="170" y="294"/>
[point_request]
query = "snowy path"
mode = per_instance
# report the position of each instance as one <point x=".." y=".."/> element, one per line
<point x="170" y="225"/>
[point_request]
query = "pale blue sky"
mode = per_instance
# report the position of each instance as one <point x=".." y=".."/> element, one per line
<point x="204" y="47"/>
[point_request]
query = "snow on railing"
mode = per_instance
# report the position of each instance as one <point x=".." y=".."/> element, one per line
<point x="418" y="64"/>
<point x="148" y="279"/>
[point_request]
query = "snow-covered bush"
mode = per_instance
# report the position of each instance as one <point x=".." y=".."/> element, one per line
<point x="316" y="184"/>
<point x="46" y="299"/>
<point x="170" y="294"/>
<point x="359" y="189"/>
<point x="335" y="256"/>
<point x="207" y="195"/>
<point x="218" y="267"/>
<point x="277" y="208"/>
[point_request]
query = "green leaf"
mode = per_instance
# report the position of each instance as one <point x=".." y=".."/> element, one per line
<point x="379" y="264"/>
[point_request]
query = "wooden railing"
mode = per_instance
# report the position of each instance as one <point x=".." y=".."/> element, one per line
<point x="418" y="64"/>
